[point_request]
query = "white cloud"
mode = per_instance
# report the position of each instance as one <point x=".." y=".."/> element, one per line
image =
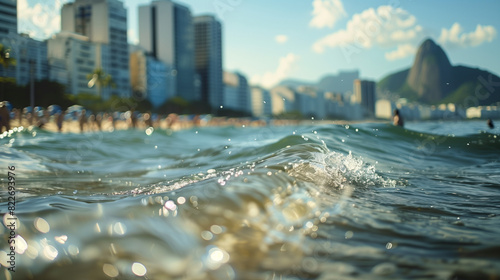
<point x="281" y="39"/>
<point x="41" y="20"/>
<point x="385" y="26"/>
<point x="402" y="51"/>
<point x="270" y="79"/>
<point x="455" y="38"/>
<point x="326" y="13"/>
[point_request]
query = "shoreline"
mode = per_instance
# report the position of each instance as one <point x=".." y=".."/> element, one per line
<point x="72" y="126"/>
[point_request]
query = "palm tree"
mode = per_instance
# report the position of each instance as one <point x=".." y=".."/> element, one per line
<point x="5" y="59"/>
<point x="101" y="79"/>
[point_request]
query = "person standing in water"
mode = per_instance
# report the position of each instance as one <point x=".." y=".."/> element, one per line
<point x="82" y="120"/>
<point x="60" y="120"/>
<point x="397" y="119"/>
<point x="490" y="124"/>
<point x="4" y="117"/>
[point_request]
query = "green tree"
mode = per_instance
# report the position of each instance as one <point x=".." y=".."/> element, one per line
<point x="101" y="79"/>
<point x="5" y="60"/>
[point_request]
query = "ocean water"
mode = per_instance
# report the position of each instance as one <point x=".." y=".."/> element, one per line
<point x="316" y="201"/>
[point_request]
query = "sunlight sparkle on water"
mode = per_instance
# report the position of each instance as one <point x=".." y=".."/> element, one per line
<point x="216" y="229"/>
<point x="139" y="269"/>
<point x="50" y="252"/>
<point x="119" y="228"/>
<point x="21" y="244"/>
<point x="73" y="250"/>
<point x="42" y="225"/>
<point x="170" y="205"/>
<point x="207" y="235"/>
<point x="110" y="270"/>
<point x="8" y="219"/>
<point x="61" y="239"/>
<point x="216" y="257"/>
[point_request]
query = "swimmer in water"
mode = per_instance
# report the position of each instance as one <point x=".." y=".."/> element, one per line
<point x="397" y="119"/>
<point x="490" y="124"/>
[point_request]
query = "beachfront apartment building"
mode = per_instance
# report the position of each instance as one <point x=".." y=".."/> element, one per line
<point x="31" y="59"/>
<point x="260" y="102"/>
<point x="364" y="94"/>
<point x="150" y="78"/>
<point x="30" y="55"/>
<point x="283" y="100"/>
<point x="208" y="59"/>
<point x="71" y="58"/>
<point x="8" y="32"/>
<point x="236" y="92"/>
<point x="166" y="33"/>
<point x="311" y="102"/>
<point x="8" y="22"/>
<point x="104" y="22"/>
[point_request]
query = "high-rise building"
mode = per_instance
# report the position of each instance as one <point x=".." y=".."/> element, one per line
<point x="150" y="77"/>
<point x="31" y="58"/>
<point x="72" y="57"/>
<point x="8" y="18"/>
<point x="208" y="59"/>
<point x="104" y="22"/>
<point x="8" y="32"/>
<point x="236" y="92"/>
<point x="364" y="94"/>
<point x="260" y="102"/>
<point x="283" y="100"/>
<point x="166" y="33"/>
<point x="310" y="102"/>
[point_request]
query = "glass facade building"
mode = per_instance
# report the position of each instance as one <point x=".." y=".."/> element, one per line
<point x="208" y="59"/>
<point x="166" y="33"/>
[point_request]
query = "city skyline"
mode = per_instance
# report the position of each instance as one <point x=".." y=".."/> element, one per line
<point x="307" y="40"/>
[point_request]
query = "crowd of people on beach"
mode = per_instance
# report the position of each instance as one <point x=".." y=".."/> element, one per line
<point x="85" y="121"/>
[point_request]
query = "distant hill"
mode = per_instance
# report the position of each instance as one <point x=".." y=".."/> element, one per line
<point x="296" y="83"/>
<point x="343" y="82"/>
<point x="433" y="80"/>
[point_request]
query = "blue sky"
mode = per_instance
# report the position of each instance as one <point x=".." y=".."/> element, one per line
<point x="277" y="39"/>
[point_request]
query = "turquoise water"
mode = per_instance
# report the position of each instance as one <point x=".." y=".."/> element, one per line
<point x="358" y="201"/>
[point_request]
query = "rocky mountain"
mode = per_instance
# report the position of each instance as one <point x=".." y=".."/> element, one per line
<point x="433" y="80"/>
